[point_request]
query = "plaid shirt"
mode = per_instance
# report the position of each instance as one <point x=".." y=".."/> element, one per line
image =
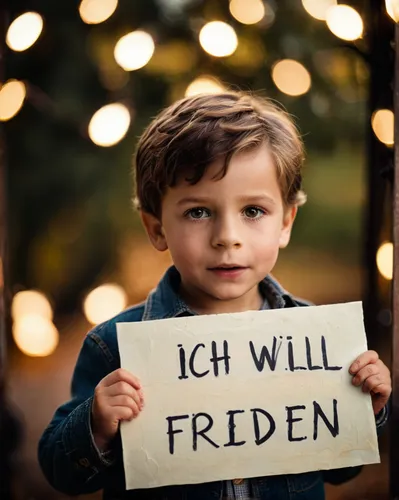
<point x="235" y="490"/>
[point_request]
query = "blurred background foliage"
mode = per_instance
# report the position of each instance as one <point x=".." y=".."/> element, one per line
<point x="70" y="212"/>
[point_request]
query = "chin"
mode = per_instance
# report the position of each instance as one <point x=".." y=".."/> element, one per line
<point x="226" y="295"/>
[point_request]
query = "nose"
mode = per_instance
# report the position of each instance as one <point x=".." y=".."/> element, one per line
<point x="226" y="233"/>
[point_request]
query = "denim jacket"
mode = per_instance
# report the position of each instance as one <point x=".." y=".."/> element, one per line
<point x="67" y="452"/>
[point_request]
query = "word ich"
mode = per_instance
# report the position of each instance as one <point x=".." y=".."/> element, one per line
<point x="265" y="356"/>
<point x="202" y="423"/>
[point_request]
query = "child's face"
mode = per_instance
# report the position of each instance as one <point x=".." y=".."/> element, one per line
<point x="224" y="235"/>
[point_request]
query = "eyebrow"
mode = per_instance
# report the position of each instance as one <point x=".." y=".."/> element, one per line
<point x="195" y="201"/>
<point x="258" y="198"/>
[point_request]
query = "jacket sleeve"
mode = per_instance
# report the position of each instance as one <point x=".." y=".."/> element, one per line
<point x="67" y="453"/>
<point x="383" y="416"/>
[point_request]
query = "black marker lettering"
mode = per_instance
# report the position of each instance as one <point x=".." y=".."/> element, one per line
<point x="291" y="362"/>
<point x="215" y="359"/>
<point x="232" y="426"/>
<point x="182" y="358"/>
<point x="334" y="429"/>
<point x="290" y="421"/>
<point x="309" y="356"/>
<point x="272" y="425"/>
<point x="265" y="355"/>
<point x="171" y="432"/>
<point x="191" y="363"/>
<point x="202" y="432"/>
<point x="324" y="353"/>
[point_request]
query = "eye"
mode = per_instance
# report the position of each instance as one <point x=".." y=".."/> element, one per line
<point x="197" y="213"/>
<point x="253" y="212"/>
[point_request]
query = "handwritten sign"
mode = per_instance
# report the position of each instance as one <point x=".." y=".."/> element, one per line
<point x="246" y="394"/>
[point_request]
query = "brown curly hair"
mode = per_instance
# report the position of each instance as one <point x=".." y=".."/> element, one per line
<point x="185" y="138"/>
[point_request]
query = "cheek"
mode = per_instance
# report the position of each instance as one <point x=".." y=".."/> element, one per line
<point x="185" y="245"/>
<point x="266" y="240"/>
<point x="267" y="232"/>
<point x="267" y="249"/>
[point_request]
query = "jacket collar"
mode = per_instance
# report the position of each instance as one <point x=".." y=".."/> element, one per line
<point x="165" y="301"/>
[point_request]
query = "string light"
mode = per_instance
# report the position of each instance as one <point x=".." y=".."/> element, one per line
<point x="318" y="8"/>
<point x="24" y="31"/>
<point x="291" y="77"/>
<point x="31" y="302"/>
<point x="392" y="7"/>
<point x="97" y="11"/>
<point x="12" y="96"/>
<point x="204" y="85"/>
<point x="344" y="22"/>
<point x="247" y="11"/>
<point x="385" y="260"/>
<point x="382" y="123"/>
<point x="134" y="50"/>
<point x="104" y="302"/>
<point x="35" y="335"/>
<point x="218" y="39"/>
<point x="109" y="124"/>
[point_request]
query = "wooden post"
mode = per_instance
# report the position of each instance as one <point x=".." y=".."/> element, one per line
<point x="394" y="462"/>
<point x="9" y="429"/>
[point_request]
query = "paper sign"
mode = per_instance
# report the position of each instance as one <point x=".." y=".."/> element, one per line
<point x="246" y="394"/>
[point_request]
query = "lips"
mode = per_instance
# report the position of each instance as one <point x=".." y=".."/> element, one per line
<point x="227" y="271"/>
<point x="226" y="267"/>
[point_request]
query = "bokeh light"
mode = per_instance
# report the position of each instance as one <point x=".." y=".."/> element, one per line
<point x="109" y="124"/>
<point x="247" y="11"/>
<point x="12" y="96"/>
<point x="31" y="302"/>
<point x="344" y="22"/>
<point x="318" y="8"/>
<point x="385" y="260"/>
<point x="35" y="335"/>
<point x="382" y="122"/>
<point x="97" y="11"/>
<point x="104" y="302"/>
<point x="291" y="77"/>
<point x="24" y="31"/>
<point x="134" y="50"/>
<point x="218" y="39"/>
<point x="392" y="7"/>
<point x="204" y="85"/>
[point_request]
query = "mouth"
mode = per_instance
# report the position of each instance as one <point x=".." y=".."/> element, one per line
<point x="227" y="267"/>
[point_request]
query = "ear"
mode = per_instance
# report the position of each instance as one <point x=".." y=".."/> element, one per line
<point x="154" y="229"/>
<point x="288" y="222"/>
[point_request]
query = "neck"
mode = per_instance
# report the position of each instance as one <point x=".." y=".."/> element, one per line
<point x="205" y="304"/>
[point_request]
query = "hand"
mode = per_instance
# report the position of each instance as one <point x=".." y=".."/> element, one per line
<point x="370" y="372"/>
<point x="117" y="397"/>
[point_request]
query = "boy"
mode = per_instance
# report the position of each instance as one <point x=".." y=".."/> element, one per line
<point x="219" y="185"/>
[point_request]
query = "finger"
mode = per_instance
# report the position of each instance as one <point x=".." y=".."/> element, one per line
<point x="125" y="401"/>
<point x="382" y="391"/>
<point x="364" y="373"/>
<point x="363" y="360"/>
<point x="371" y="384"/>
<point x="121" y="413"/>
<point x="123" y="388"/>
<point x="121" y="375"/>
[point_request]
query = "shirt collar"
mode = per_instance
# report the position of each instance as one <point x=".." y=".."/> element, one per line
<point x="165" y="301"/>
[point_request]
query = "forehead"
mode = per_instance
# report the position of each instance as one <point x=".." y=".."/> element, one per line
<point x="249" y="172"/>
